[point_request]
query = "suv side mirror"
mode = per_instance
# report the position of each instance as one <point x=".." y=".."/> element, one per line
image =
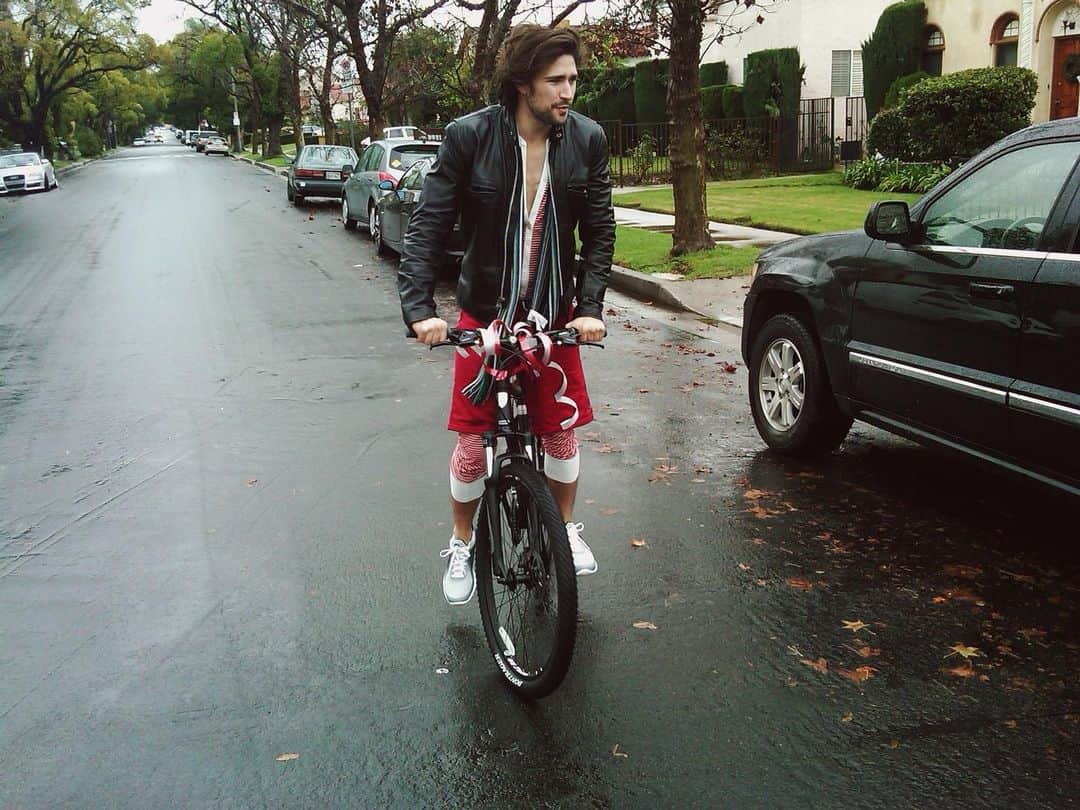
<point x="890" y="220"/>
<point x="386" y="185"/>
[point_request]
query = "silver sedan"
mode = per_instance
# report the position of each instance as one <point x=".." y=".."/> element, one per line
<point x="26" y="171"/>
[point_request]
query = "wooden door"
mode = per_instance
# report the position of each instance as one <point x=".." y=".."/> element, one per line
<point x="1064" y="93"/>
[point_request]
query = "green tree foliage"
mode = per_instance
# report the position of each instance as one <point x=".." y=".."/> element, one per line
<point x="893" y="50"/>
<point x="773" y="84"/>
<point x="608" y="94"/>
<point x="419" y="83"/>
<point x="650" y="91"/>
<point x="69" y="46"/>
<point x="955" y="116"/>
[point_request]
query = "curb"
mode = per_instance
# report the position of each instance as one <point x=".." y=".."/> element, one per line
<point x="278" y="170"/>
<point x="646" y="288"/>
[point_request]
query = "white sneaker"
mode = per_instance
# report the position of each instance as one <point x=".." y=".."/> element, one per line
<point x="584" y="561"/>
<point x="458" y="583"/>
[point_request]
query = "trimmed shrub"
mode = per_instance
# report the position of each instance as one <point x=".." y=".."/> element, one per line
<point x="650" y="91"/>
<point x="894" y="176"/>
<point x="864" y="174"/>
<point x="893" y="50"/>
<point x="732" y="100"/>
<point x="897" y="88"/>
<point x="955" y="116"/>
<point x="712" y="102"/>
<point x="90" y="144"/>
<point x="713" y="73"/>
<point x="773" y="83"/>
<point x="888" y="135"/>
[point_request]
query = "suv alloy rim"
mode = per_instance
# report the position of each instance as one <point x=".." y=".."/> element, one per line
<point x="781" y="385"/>
<point x="373" y="225"/>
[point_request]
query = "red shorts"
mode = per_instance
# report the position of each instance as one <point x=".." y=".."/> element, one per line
<point x="547" y="415"/>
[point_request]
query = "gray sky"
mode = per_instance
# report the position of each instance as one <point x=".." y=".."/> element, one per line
<point x="164" y="19"/>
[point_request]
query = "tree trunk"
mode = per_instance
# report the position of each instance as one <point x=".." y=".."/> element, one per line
<point x="688" y="137"/>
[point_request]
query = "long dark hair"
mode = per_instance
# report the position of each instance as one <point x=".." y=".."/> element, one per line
<point x="527" y="51"/>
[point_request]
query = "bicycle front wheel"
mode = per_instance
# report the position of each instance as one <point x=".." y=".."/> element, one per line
<point x="527" y="587"/>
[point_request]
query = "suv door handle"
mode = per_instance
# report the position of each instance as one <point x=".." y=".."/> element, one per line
<point x="997" y="292"/>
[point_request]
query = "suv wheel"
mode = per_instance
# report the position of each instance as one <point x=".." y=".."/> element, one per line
<point x="790" y="397"/>
<point x="376" y="233"/>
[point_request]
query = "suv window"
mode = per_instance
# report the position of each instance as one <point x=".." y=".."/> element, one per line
<point x="1005" y="203"/>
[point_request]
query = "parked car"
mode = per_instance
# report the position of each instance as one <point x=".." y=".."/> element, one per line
<point x="391" y="133"/>
<point x="201" y="137"/>
<point x="393" y="211"/>
<point x="318" y="171"/>
<point x="26" y="171"/>
<point x="955" y="323"/>
<point x="382" y="160"/>
<point x="216" y="145"/>
<point x="311" y="131"/>
<point x="139" y="142"/>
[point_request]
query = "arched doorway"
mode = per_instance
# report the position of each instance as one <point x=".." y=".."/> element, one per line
<point x="1064" y="84"/>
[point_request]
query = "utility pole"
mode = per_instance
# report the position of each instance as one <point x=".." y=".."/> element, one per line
<point x="238" y="144"/>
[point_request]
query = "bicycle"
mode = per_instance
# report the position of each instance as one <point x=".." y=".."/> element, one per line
<point x="524" y="567"/>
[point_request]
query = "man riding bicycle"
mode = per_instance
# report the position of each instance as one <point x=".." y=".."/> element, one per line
<point x="522" y="175"/>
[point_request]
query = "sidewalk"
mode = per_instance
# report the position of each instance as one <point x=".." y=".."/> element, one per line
<point x="716" y="299"/>
<point x="719" y="300"/>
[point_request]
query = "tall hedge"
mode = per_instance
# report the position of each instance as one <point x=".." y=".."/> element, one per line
<point x="713" y="73"/>
<point x="893" y="50"/>
<point x="902" y="85"/>
<point x="773" y="78"/>
<point x="712" y="102"/>
<point x="606" y="94"/>
<point x="650" y="91"/>
<point x="957" y="115"/>
<point x="732" y="96"/>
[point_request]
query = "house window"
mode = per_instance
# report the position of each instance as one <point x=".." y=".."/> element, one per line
<point x="933" y="49"/>
<point x="1005" y="40"/>
<point x="847" y="74"/>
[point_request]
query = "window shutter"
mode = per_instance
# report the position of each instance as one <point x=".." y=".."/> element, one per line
<point x="856" y="73"/>
<point x="841" y="73"/>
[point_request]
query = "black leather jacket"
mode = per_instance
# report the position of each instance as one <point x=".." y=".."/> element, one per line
<point x="473" y="176"/>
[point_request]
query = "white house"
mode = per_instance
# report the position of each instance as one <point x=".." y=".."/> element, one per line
<point x="960" y="34"/>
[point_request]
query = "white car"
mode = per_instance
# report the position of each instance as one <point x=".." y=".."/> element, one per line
<point x="389" y="133"/>
<point x="26" y="171"/>
<point x="216" y="145"/>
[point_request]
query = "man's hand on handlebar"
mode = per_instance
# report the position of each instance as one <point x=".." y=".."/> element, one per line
<point x="430" y="330"/>
<point x="589" y="329"/>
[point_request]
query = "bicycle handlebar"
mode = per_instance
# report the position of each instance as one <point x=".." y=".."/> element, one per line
<point x="464" y="338"/>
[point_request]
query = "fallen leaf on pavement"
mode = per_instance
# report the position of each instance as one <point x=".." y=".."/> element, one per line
<point x="728" y="367"/>
<point x="608" y="511"/>
<point x="964" y="671"/>
<point x="965" y="571"/>
<point x="638" y="542"/>
<point x="820" y="665"/>
<point x="615" y="752"/>
<point x="643" y="625"/>
<point x="855" y="626"/>
<point x="607" y="448"/>
<point x="762" y="513"/>
<point x="252" y="482"/>
<point x="643" y="390"/>
<point x="858" y="675"/>
<point x="847" y="718"/>
<point x="1009" y="723"/>
<point x="744" y="567"/>
<point x="287" y="757"/>
<point x="757" y="494"/>
<point x="868" y="652"/>
<point x="800" y="583"/>
<point x="963" y="651"/>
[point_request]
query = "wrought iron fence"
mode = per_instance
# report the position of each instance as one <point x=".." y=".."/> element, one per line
<point x="814" y="144"/>
<point x="855" y="130"/>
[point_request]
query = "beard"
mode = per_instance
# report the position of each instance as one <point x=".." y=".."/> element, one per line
<point x="546" y="115"/>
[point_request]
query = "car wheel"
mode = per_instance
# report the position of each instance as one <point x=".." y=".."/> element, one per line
<point x="372" y="221"/>
<point x="288" y="191"/>
<point x="350" y="223"/>
<point x="298" y="199"/>
<point x="790" y="396"/>
<point x="380" y="246"/>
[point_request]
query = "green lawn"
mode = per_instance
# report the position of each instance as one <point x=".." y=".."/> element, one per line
<point x="280" y="160"/>
<point x="809" y="203"/>
<point x="648" y="251"/>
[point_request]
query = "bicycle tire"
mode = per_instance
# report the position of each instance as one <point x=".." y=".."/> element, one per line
<point x="531" y="673"/>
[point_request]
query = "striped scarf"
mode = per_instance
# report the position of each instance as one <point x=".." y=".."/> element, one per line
<point x="545" y="282"/>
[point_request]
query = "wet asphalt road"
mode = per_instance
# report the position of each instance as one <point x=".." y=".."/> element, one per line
<point x="223" y="490"/>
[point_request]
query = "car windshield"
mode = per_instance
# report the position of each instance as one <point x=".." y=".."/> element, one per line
<point x="323" y="156"/>
<point x="25" y="159"/>
<point x="405" y="156"/>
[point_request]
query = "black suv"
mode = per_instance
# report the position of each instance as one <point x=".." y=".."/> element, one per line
<point x="955" y="323"/>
